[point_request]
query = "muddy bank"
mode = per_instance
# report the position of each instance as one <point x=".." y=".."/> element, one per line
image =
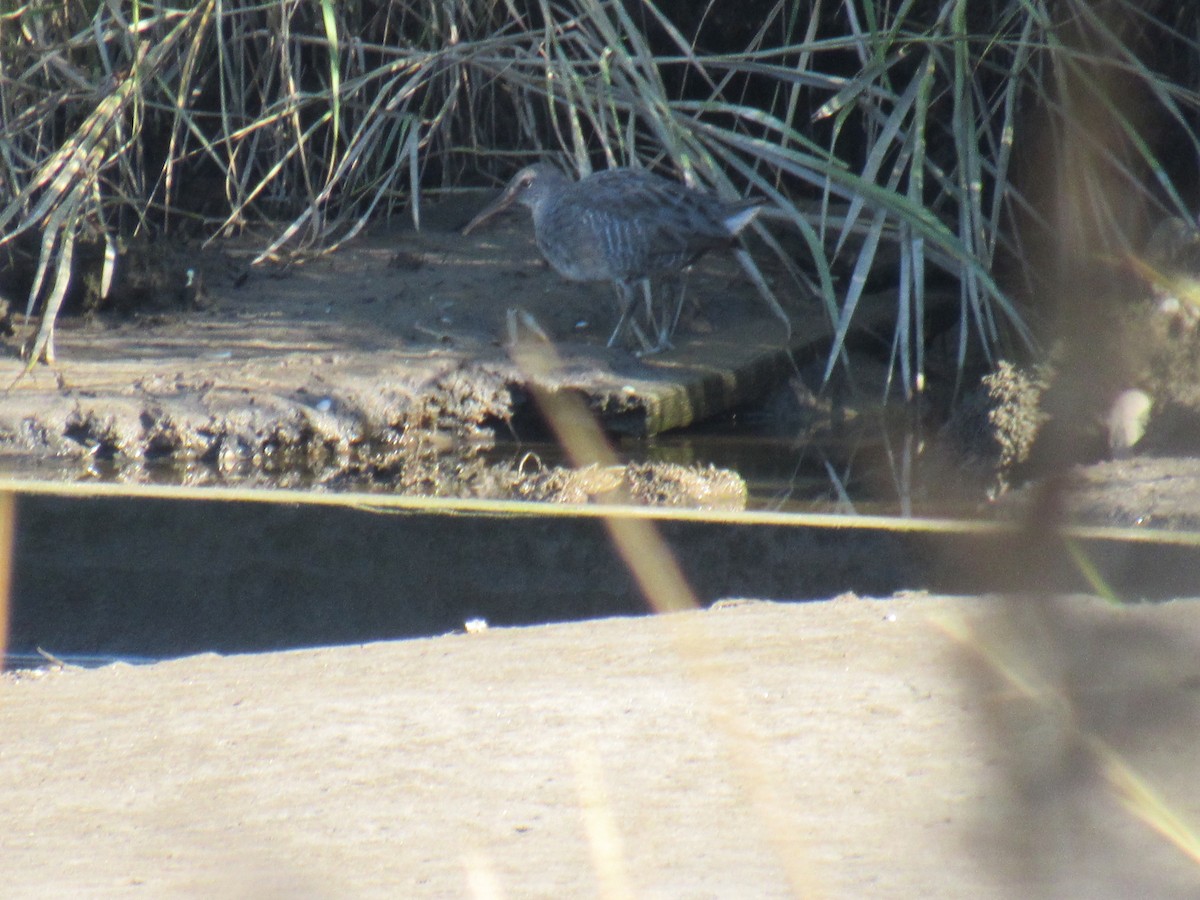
<point x="842" y="749"/>
<point x="383" y="362"/>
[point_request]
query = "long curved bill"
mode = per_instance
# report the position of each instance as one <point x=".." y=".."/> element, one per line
<point x="501" y="203"/>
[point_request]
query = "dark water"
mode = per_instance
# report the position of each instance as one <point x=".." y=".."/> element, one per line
<point x="869" y="466"/>
<point x="101" y="579"/>
<point x="119" y="577"/>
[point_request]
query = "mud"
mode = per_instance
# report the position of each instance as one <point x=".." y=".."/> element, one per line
<point x="382" y="362"/>
<point x="852" y="748"/>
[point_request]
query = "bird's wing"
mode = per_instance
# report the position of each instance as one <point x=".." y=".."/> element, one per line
<point x="663" y="222"/>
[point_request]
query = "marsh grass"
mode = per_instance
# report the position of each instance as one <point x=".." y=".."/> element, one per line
<point x="889" y="138"/>
<point x="996" y="145"/>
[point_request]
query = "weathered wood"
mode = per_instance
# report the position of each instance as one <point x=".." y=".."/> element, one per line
<point x="712" y="374"/>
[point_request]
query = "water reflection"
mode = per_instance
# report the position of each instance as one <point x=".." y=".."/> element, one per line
<point x="871" y="463"/>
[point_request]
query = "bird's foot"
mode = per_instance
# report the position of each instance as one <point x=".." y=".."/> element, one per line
<point x="654" y="349"/>
<point x="628" y="324"/>
<point x="646" y="348"/>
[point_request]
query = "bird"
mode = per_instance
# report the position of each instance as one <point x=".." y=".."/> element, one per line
<point x="623" y="225"/>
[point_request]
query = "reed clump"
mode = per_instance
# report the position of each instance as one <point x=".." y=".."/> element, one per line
<point x="894" y="142"/>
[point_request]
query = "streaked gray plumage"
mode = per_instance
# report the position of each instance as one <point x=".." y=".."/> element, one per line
<point x="621" y="225"/>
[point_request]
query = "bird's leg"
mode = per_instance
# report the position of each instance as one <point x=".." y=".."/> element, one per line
<point x="663" y="328"/>
<point x="625" y="300"/>
<point x="677" y="290"/>
<point x="660" y="328"/>
<point x="648" y="299"/>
